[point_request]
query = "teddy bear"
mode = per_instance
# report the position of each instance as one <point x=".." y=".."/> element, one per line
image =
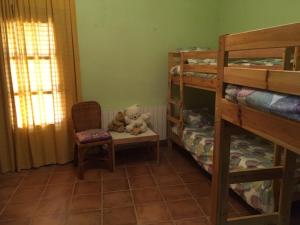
<point x="136" y="121"/>
<point x="118" y="123"/>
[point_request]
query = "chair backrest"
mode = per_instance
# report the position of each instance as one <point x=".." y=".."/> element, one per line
<point x="86" y="115"/>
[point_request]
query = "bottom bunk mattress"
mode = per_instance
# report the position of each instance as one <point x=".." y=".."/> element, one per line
<point x="246" y="151"/>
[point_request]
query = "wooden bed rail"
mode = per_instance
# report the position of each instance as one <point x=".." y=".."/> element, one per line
<point x="282" y="81"/>
<point x="257" y="53"/>
<point x="279" y="130"/>
<point x="276" y="37"/>
<point x="199" y="55"/>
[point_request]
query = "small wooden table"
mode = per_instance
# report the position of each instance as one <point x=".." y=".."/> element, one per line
<point x="119" y="139"/>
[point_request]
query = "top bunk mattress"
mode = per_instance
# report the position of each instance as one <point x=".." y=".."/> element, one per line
<point x="287" y="106"/>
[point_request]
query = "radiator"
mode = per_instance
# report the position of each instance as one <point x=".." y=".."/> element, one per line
<point x="158" y="119"/>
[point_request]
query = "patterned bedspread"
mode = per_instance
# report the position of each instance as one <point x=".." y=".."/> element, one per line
<point x="247" y="151"/>
<point x="284" y="105"/>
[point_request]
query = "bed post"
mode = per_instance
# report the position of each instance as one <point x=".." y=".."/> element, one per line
<point x="169" y="109"/>
<point x="287" y="187"/>
<point x="297" y="59"/>
<point x="221" y="157"/>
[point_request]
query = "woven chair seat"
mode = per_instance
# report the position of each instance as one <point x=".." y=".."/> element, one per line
<point x="92" y="135"/>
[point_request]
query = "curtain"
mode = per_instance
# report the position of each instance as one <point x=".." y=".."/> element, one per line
<point x="39" y="82"/>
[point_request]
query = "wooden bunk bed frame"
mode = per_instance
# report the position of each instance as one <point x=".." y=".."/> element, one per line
<point x="179" y="58"/>
<point x="231" y="117"/>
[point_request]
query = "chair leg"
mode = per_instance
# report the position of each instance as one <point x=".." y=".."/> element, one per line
<point x="170" y="144"/>
<point x="81" y="154"/>
<point x="75" y="155"/>
<point x="111" y="156"/>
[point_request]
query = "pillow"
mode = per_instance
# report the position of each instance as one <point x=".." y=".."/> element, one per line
<point x="92" y="135"/>
<point x="197" y="118"/>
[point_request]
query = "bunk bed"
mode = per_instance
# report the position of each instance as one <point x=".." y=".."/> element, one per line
<point x="194" y="129"/>
<point x="264" y="102"/>
<point x="187" y="68"/>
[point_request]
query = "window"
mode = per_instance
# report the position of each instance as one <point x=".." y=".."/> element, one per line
<point x="34" y="74"/>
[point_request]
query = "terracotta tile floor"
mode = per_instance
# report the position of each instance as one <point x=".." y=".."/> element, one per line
<point x="140" y="192"/>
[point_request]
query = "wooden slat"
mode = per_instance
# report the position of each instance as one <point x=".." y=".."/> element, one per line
<point x="174" y="54"/>
<point x="247" y="77"/>
<point x="200" y="68"/>
<point x="257" y="53"/>
<point x="174" y="102"/>
<point x="281" y="131"/>
<point x="276" y="37"/>
<point x="200" y="55"/>
<point x="273" y="80"/>
<point x="284" y="82"/>
<point x="197" y="82"/>
<point x="257" y="174"/>
<point x="298" y="165"/>
<point x="173" y="119"/>
<point x="264" y="219"/>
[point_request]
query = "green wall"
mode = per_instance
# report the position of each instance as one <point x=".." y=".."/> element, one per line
<point x="243" y="15"/>
<point x="124" y="45"/>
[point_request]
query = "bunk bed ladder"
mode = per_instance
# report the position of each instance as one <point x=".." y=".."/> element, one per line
<point x="173" y="102"/>
<point x="285" y="173"/>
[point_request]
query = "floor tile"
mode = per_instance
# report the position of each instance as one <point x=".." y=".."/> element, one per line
<point x="194" y="177"/>
<point x="205" y="204"/>
<point x="137" y="170"/>
<point x="147" y="195"/>
<point x="168" y="180"/>
<point x="6" y="193"/>
<point x="92" y="175"/>
<point x="162" y="223"/>
<point x="10" y="180"/>
<point x="119" y="216"/>
<point x="199" y="190"/>
<point x="35" y="180"/>
<point x="61" y="178"/>
<point x="57" y="205"/>
<point x="184" y="209"/>
<point x="65" y="168"/>
<point x="87" y="218"/>
<point x="117" y="199"/>
<point x="162" y="170"/>
<point x="30" y="194"/>
<point x="87" y="187"/>
<point x="119" y="173"/>
<point x="59" y="219"/>
<point x="18" y="211"/>
<point x="152" y="213"/>
<point x="195" y="221"/>
<point x="16" y="222"/>
<point x="58" y="190"/>
<point x="141" y="182"/>
<point x="175" y="193"/>
<point x="86" y="202"/>
<point x="120" y="184"/>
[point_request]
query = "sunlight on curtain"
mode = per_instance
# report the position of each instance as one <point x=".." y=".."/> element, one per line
<point x="34" y="74"/>
<point x="39" y="82"/>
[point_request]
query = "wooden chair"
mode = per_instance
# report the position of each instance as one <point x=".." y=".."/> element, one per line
<point x="86" y="118"/>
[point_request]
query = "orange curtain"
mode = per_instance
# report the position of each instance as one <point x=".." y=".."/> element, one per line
<point x="39" y="82"/>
